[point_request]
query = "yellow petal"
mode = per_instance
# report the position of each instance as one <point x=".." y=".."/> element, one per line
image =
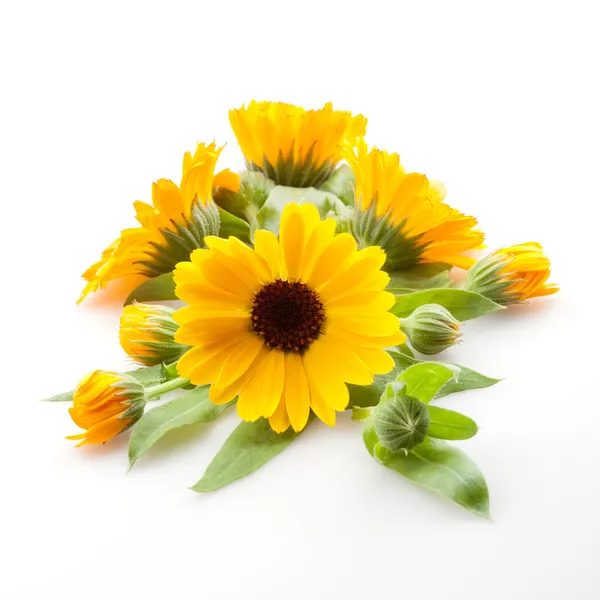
<point x="266" y="245"/>
<point x="279" y="420"/>
<point x="297" y="397"/>
<point x="332" y="390"/>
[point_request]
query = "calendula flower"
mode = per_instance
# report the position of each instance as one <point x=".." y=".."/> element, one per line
<point x="512" y="274"/>
<point x="293" y="146"/>
<point x="174" y="225"/>
<point x="405" y="213"/>
<point x="147" y="334"/>
<point x="287" y="324"/>
<point x="431" y="328"/>
<point x="105" y="404"/>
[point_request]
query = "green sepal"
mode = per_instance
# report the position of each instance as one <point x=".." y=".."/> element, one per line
<point x="462" y="305"/>
<point x="233" y="226"/>
<point x="180" y="241"/>
<point x="341" y="183"/>
<point x="155" y="289"/>
<point x="402" y="250"/>
<point x="286" y="171"/>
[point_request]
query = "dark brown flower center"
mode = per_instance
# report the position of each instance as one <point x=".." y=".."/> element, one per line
<point x="288" y="315"/>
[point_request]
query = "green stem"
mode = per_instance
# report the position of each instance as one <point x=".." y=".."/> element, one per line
<point x="167" y="386"/>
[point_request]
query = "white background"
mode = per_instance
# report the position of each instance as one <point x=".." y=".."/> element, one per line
<point x="497" y="100"/>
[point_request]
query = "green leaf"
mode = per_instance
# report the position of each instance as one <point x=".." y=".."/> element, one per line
<point x="232" y="225"/>
<point x="447" y="424"/>
<point x="462" y="304"/>
<point x="191" y="407"/>
<point x="420" y="277"/>
<point x="247" y="449"/>
<point x="145" y="375"/>
<point x="439" y="468"/>
<point x="425" y="379"/>
<point x="157" y="288"/>
<point x="269" y="216"/>
<point x="465" y="379"/>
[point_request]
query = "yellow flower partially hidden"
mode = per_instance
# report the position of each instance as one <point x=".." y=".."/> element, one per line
<point x="105" y="404"/>
<point x="287" y="324"/>
<point x="147" y="250"/>
<point x="291" y="145"/>
<point x="512" y="274"/>
<point x="423" y="227"/>
<point x="147" y="334"/>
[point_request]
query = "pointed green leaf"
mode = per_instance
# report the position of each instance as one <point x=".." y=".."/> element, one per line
<point x="439" y="468"/>
<point x="248" y="448"/>
<point x="462" y="304"/>
<point x="465" y="379"/>
<point x="157" y="288"/>
<point x="191" y="407"/>
<point x="425" y="379"/>
<point x="447" y="424"/>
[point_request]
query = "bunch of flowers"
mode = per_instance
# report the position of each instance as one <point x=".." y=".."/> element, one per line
<point x="307" y="280"/>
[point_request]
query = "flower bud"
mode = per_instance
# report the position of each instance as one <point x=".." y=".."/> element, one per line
<point x="512" y="274"/>
<point x="105" y="404"/>
<point x="147" y="334"/>
<point x="431" y="329"/>
<point x="400" y="421"/>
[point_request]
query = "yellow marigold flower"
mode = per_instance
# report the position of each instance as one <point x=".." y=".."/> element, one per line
<point x="147" y="334"/>
<point x="293" y="146"/>
<point x="287" y="324"/>
<point x="406" y="214"/>
<point x="512" y="274"/>
<point x="105" y="404"/>
<point x="170" y="228"/>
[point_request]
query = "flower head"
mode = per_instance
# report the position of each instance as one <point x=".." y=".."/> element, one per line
<point x="293" y="146"/>
<point x="147" y="334"/>
<point x="175" y="224"/>
<point x="406" y="214"/>
<point x="286" y="325"/>
<point x="512" y="274"/>
<point x="431" y="328"/>
<point x="105" y="404"/>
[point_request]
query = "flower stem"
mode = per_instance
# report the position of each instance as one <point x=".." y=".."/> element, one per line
<point x="165" y="387"/>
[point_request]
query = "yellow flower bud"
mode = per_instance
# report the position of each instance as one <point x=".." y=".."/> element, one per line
<point x="512" y="274"/>
<point x="105" y="404"/>
<point x="431" y="329"/>
<point x="147" y="334"/>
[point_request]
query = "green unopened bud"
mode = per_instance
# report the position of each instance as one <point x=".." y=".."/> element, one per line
<point x="400" y="421"/>
<point x="431" y="328"/>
